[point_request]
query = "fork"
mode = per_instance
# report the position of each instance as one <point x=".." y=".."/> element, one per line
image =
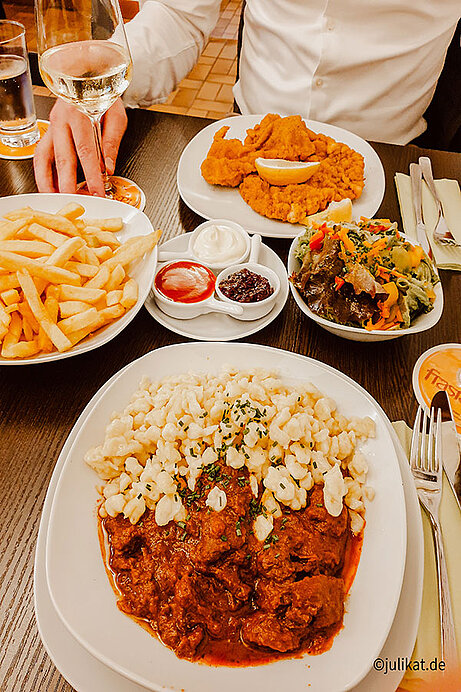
<point x="426" y="467"/>
<point x="441" y="232"/>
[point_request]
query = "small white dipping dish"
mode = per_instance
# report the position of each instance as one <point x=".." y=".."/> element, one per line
<point x="421" y="323"/>
<point x="218" y="263"/>
<point x="251" y="311"/>
<point x="187" y="311"/>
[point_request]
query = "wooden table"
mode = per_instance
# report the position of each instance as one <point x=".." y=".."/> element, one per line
<point x="39" y="405"/>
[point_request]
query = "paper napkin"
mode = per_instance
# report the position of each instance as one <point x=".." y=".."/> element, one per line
<point x="428" y="640"/>
<point x="446" y="257"/>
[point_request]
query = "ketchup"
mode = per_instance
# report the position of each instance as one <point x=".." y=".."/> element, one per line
<point x="185" y="282"/>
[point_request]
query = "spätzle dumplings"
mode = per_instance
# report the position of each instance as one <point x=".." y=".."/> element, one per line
<point x="288" y="438"/>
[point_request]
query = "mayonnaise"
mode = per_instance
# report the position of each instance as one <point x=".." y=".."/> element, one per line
<point x="219" y="245"/>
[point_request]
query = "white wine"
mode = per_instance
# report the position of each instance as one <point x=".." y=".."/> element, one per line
<point x="17" y="112"/>
<point x="89" y="74"/>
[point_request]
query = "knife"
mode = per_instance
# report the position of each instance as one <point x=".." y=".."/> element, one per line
<point x="416" y="178"/>
<point x="451" y="456"/>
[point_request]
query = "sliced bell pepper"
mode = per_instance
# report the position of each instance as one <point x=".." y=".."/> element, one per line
<point x="317" y="239"/>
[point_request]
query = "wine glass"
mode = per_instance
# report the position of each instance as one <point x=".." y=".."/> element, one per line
<point x="85" y="60"/>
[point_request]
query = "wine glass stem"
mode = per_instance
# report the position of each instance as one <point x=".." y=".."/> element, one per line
<point x="96" y="121"/>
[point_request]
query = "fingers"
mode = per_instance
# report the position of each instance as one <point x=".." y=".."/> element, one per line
<point x="115" y="122"/>
<point x="70" y="135"/>
<point x="43" y="164"/>
<point x="84" y="140"/>
<point x="65" y="159"/>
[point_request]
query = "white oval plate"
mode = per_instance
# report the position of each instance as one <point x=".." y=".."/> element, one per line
<point x="86" y="674"/>
<point x="212" y="201"/>
<point x="420" y="324"/>
<point x="84" y="599"/>
<point x="216" y="326"/>
<point x="135" y="222"/>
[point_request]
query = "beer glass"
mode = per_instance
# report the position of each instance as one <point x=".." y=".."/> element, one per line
<point x="18" y="124"/>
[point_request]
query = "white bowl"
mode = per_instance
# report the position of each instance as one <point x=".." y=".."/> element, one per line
<point x="420" y="324"/>
<point x="251" y="311"/>
<point x="165" y="256"/>
<point x="187" y="311"/>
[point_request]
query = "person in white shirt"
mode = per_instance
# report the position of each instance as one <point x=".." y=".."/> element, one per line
<point x="370" y="66"/>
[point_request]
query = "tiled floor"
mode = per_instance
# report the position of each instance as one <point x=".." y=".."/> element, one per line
<point x="207" y="90"/>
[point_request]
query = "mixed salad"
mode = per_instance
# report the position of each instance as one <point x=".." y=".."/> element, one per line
<point x="364" y="274"/>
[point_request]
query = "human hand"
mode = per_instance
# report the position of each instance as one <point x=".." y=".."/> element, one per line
<point x="69" y="138"/>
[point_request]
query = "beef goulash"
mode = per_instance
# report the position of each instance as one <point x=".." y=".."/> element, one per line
<point x="232" y="517"/>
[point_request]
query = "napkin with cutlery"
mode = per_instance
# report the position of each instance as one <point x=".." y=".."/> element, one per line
<point x="446" y="257"/>
<point x="428" y="640"/>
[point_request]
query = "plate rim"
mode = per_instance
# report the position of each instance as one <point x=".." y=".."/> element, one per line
<point x="312" y="124"/>
<point x="403" y="527"/>
<point x="163" y="319"/>
<point x="120" y="324"/>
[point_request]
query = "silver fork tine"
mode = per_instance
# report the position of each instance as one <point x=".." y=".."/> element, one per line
<point x="424" y="457"/>
<point x="438" y="441"/>
<point x="431" y="444"/>
<point x="414" y="453"/>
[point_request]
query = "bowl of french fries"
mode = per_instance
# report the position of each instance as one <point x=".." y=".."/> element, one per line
<point x="74" y="271"/>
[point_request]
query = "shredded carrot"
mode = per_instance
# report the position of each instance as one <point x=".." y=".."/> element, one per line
<point x="346" y="241"/>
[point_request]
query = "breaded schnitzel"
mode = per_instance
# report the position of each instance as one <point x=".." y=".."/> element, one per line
<point x="231" y="163"/>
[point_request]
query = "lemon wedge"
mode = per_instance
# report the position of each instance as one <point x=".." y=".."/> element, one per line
<point x="283" y="172"/>
<point x="336" y="212"/>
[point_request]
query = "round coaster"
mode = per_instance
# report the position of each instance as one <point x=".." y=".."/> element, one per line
<point x="19" y="153"/>
<point x="437" y="369"/>
<point x="125" y="191"/>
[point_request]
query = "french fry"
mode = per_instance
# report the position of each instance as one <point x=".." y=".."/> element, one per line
<point x="10" y="296"/>
<point x="27" y="330"/>
<point x="56" y="222"/>
<point x="12" y="337"/>
<point x="115" y="224"/>
<point x="65" y="251"/>
<point x="21" y="349"/>
<point x="41" y="314"/>
<point x="113" y="297"/>
<point x="132" y="249"/>
<point x="8" y="281"/>
<point x="8" y="229"/>
<point x="100" y="279"/>
<point x="71" y="211"/>
<point x="87" y="295"/>
<point x="27" y="314"/>
<point x="57" y="275"/>
<point x="116" y="278"/>
<point x="47" y="234"/>
<point x="30" y="248"/>
<point x="71" y="307"/>
<point x="88" y="255"/>
<point x="92" y="233"/>
<point x="81" y="320"/>
<point x="44" y="342"/>
<point x="14" y="307"/>
<point x="23" y="213"/>
<point x="130" y="294"/>
<point x="85" y="270"/>
<point x="111" y="313"/>
<point x="5" y="317"/>
<point x="52" y="307"/>
<point x="102" y="253"/>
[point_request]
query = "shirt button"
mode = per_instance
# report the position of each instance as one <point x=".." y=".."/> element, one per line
<point x="319" y="82"/>
<point x="330" y="25"/>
